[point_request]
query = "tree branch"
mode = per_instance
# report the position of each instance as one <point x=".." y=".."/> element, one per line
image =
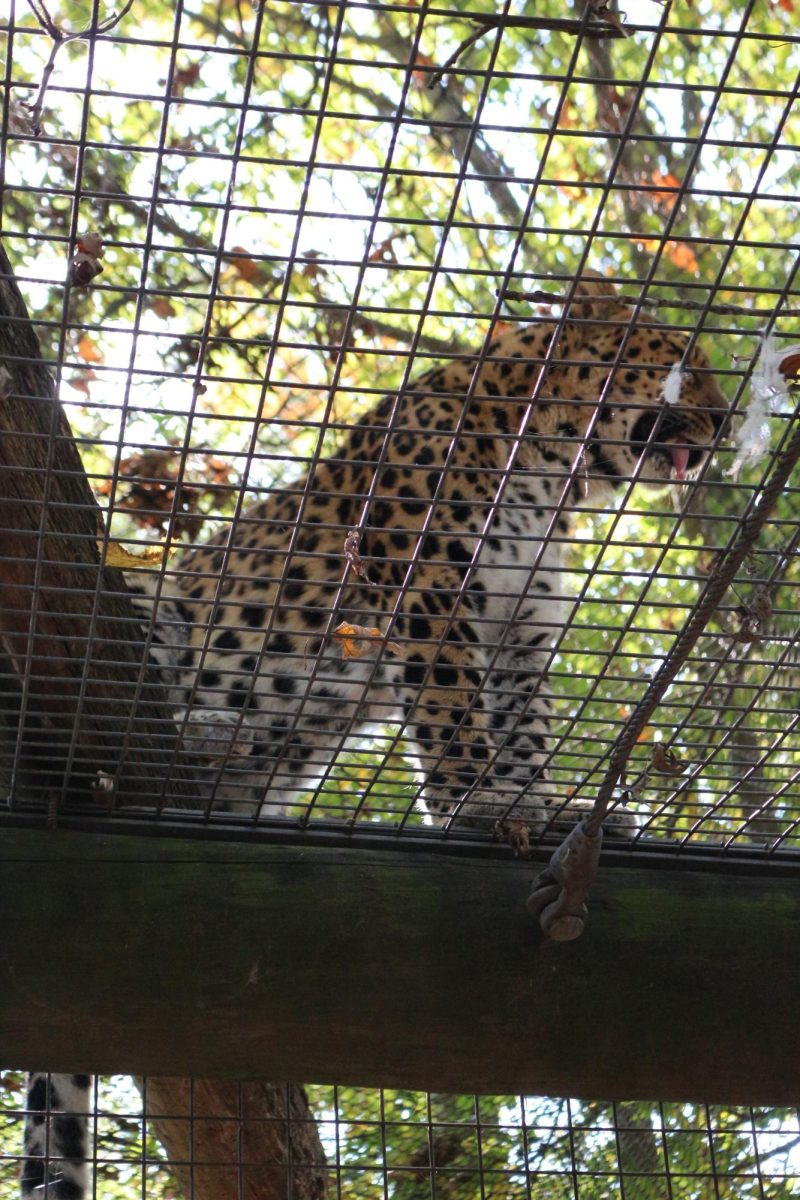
<point x="448" y="109"/>
<point x="613" y="29"/>
<point x="60" y="38"/>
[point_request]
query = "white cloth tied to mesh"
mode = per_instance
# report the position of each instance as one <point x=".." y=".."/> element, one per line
<point x="768" y="393"/>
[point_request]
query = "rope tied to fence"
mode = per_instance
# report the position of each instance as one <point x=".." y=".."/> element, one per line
<point x="558" y="894"/>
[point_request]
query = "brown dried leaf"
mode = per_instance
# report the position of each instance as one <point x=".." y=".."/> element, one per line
<point x="351" y="544"/>
<point x="85" y="264"/>
<point x="516" y="834"/>
<point x="149" y="490"/>
<point x="311" y="268"/>
<point x="244" y="266"/>
<point x="419" y="76"/>
<point x="753" y="617"/>
<point x="20" y="118"/>
<point x="679" y="254"/>
<point x="83" y="268"/>
<point x="601" y="9"/>
<point x="185" y="77"/>
<point x="384" y="251"/>
<point x="163" y="307"/>
<point x="747" y="629"/>
<point x="666" y="761"/>
<point x="665" y="198"/>
<point x="789" y="366"/>
<point x="81" y="380"/>
<point x="91" y="243"/>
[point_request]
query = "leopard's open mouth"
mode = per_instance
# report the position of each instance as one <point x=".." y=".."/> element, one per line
<point x="684" y="457"/>
<point x="675" y="460"/>
<point x="673" y="451"/>
<point x="680" y="460"/>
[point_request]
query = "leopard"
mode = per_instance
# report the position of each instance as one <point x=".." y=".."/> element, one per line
<point x="412" y="581"/>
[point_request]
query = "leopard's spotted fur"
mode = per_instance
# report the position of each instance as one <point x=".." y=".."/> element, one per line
<point x="454" y="513"/>
<point x="473" y="601"/>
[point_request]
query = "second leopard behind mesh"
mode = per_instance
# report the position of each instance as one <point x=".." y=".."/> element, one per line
<point x="464" y="529"/>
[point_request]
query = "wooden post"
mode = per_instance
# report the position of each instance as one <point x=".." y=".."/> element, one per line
<point x="394" y="968"/>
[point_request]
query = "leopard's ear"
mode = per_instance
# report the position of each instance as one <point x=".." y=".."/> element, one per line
<point x="594" y="300"/>
<point x="591" y="284"/>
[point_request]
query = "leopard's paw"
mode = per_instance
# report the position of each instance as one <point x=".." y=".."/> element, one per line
<point x="622" y="822"/>
<point x="214" y="735"/>
<point x="515" y="833"/>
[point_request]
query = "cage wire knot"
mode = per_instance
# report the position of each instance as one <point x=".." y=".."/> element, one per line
<point x="558" y="893"/>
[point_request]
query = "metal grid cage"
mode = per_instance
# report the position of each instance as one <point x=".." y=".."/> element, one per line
<point x="375" y="1144"/>
<point x="303" y="206"/>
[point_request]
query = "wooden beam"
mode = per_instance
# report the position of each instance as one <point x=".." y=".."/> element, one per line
<point x="405" y="969"/>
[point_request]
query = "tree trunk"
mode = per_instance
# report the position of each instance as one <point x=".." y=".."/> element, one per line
<point x="238" y="1141"/>
<point x="69" y="638"/>
<point x="641" y="1162"/>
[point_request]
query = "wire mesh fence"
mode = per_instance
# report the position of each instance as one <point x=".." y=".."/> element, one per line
<point x="294" y="210"/>
<point x="237" y="228"/>
<point x="374" y="1144"/>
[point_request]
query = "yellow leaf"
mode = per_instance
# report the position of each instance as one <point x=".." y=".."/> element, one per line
<point x="354" y="637"/>
<point x="119" y="556"/>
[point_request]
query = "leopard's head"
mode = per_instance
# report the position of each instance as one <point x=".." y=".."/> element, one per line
<point x="656" y="416"/>
<point x="659" y="421"/>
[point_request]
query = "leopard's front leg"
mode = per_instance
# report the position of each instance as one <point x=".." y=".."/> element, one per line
<point x="521" y="704"/>
<point x="455" y="728"/>
<point x="484" y="746"/>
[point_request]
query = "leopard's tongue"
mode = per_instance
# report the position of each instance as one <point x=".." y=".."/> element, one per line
<point x="680" y="460"/>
